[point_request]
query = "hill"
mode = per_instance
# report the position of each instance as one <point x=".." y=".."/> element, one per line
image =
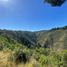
<point x="46" y="48"/>
<point x="55" y="38"/>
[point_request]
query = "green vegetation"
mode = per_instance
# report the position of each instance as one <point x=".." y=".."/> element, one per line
<point x="34" y="49"/>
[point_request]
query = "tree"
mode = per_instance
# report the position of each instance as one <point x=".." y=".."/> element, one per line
<point x="65" y="27"/>
<point x="55" y="2"/>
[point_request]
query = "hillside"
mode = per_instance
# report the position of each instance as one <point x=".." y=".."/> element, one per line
<point x="46" y="48"/>
<point x="55" y="38"/>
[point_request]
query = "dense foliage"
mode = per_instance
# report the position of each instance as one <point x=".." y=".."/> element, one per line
<point x="55" y="2"/>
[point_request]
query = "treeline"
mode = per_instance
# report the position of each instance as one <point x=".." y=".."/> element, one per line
<point x="60" y="28"/>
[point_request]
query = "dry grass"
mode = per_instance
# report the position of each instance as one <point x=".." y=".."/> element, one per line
<point x="4" y="62"/>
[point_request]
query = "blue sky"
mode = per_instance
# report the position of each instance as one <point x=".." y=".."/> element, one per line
<point x="31" y="15"/>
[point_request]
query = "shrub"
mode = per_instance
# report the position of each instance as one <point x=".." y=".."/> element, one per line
<point x="20" y="56"/>
<point x="1" y="46"/>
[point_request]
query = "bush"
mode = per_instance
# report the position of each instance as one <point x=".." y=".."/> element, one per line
<point x="20" y="56"/>
<point x="64" y="58"/>
<point x="1" y="46"/>
<point x="43" y="60"/>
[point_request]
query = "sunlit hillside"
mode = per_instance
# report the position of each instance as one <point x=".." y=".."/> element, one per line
<point x="33" y="49"/>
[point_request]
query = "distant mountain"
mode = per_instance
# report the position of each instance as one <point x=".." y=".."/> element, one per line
<point x="55" y="38"/>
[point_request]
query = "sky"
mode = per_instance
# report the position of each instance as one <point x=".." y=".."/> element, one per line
<point x="31" y="15"/>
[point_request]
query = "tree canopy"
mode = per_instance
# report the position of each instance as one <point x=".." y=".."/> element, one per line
<point x="55" y="2"/>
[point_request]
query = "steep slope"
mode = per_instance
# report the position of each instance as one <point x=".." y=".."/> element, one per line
<point x="23" y="37"/>
<point x="55" y="38"/>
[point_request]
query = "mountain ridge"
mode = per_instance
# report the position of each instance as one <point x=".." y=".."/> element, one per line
<point x="54" y="38"/>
